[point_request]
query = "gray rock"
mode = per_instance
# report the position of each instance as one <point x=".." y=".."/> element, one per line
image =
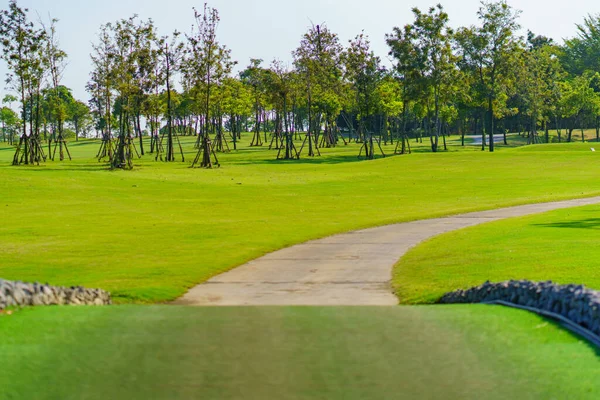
<point x="13" y="293"/>
<point x="575" y="302"/>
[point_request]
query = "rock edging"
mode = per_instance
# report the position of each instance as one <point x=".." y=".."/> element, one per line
<point x="20" y="294"/>
<point x="576" y="303"/>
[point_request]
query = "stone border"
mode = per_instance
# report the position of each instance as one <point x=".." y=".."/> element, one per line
<point x="575" y="303"/>
<point x="21" y="294"/>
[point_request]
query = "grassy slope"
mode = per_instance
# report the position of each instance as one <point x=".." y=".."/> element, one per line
<point x="161" y="352"/>
<point x="148" y="234"/>
<point x="559" y="245"/>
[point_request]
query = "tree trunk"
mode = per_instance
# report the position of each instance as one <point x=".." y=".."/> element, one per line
<point x="491" y="122"/>
<point x="139" y="131"/>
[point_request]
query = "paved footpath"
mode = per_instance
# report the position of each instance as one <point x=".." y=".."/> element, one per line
<point x="352" y="268"/>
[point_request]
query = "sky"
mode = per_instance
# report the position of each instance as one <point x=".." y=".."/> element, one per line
<point x="271" y="29"/>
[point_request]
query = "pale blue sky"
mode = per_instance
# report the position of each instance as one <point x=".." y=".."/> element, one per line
<point x="271" y="29"/>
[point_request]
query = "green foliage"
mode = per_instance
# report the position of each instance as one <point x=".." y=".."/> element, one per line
<point x="539" y="76"/>
<point x="578" y="97"/>
<point x="389" y="92"/>
<point x="21" y="43"/>
<point x="318" y="63"/>
<point x="10" y="123"/>
<point x="487" y="51"/>
<point x="364" y="72"/>
<point x="582" y="53"/>
<point x="236" y="98"/>
<point x="207" y="62"/>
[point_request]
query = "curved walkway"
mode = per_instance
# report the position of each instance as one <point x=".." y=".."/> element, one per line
<point x="352" y="268"/>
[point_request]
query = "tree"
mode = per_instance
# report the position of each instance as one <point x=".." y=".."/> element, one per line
<point x="255" y="78"/>
<point x="10" y="119"/>
<point x="318" y="63"/>
<point x="124" y="65"/>
<point x="170" y="56"/>
<point x="101" y="87"/>
<point x="207" y="63"/>
<point x="10" y="124"/>
<point x="538" y="73"/>
<point x="436" y="61"/>
<point x="79" y="116"/>
<point x="363" y="70"/>
<point x="406" y="69"/>
<point x="486" y="50"/>
<point x="22" y="44"/>
<point x="578" y="99"/>
<point x="389" y="92"/>
<point x="281" y="86"/>
<point x="58" y="101"/>
<point x="236" y="105"/>
<point x="124" y="70"/>
<point x="582" y="53"/>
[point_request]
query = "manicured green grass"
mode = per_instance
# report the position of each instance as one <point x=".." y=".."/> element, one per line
<point x="161" y="352"/>
<point x="560" y="245"/>
<point x="149" y="234"/>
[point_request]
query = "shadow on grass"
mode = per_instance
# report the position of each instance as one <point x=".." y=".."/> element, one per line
<point x="559" y="325"/>
<point x="589" y="223"/>
<point x="81" y="143"/>
<point x="325" y="159"/>
<point x="563" y="327"/>
<point x="63" y="166"/>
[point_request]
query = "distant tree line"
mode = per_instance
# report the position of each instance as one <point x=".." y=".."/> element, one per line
<point x="482" y="79"/>
<point x="36" y="65"/>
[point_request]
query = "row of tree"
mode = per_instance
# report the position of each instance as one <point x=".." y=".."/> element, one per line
<point x="36" y="65"/>
<point x="479" y="79"/>
<point x="78" y="117"/>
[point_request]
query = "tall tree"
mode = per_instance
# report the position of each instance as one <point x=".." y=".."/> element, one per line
<point x="363" y="70"/>
<point x="487" y="50"/>
<point x="436" y="61"/>
<point x="55" y="59"/>
<point x="22" y="43"/>
<point x="579" y="101"/>
<point x="281" y="86"/>
<point x="538" y="75"/>
<point x="389" y="92"/>
<point x="582" y="53"/>
<point x="170" y="55"/>
<point x="318" y="62"/>
<point x="125" y="68"/>
<point x="255" y="77"/>
<point x="406" y="69"/>
<point x="207" y="63"/>
<point x="236" y="105"/>
<point x="101" y="87"/>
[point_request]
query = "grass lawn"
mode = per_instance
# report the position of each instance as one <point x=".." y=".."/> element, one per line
<point x="149" y="234"/>
<point x="162" y="352"/>
<point x="559" y="245"/>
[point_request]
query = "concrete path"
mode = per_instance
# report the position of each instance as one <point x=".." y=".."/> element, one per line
<point x="349" y="269"/>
